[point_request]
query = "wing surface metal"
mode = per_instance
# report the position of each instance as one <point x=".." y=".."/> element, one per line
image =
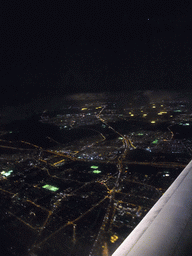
<point x="167" y="227"/>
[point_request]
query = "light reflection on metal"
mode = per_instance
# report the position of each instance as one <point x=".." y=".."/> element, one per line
<point x="167" y="225"/>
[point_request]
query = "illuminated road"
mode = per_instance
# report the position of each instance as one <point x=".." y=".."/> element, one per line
<point x="73" y="158"/>
<point x="101" y="239"/>
<point x="45" y="158"/>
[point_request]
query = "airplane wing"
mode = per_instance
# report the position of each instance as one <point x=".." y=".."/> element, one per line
<point x="167" y="227"/>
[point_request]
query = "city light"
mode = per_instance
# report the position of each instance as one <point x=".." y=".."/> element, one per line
<point x="162" y="112"/>
<point x="6" y="173"/>
<point x="50" y="187"/>
<point x="184" y="124"/>
<point x="166" y="175"/>
<point x="114" y="238"/>
<point x="94" y="167"/>
<point x="96" y="171"/>
<point x="119" y="185"/>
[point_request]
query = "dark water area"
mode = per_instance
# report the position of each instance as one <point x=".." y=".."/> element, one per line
<point x="182" y="131"/>
<point x="35" y="132"/>
<point x="151" y="169"/>
<point x="142" y="155"/>
<point x="5" y="241"/>
<point x="125" y="126"/>
<point x="32" y="131"/>
<point x="139" y="155"/>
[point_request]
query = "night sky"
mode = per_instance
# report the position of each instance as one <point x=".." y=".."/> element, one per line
<point x="64" y="47"/>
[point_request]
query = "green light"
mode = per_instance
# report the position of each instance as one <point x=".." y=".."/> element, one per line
<point x="6" y="173"/>
<point x="155" y="141"/>
<point x="49" y="187"/>
<point x="140" y="134"/>
<point x="120" y="138"/>
<point x="94" y="167"/>
<point x="96" y="171"/>
<point x="186" y="124"/>
<point x="177" y="110"/>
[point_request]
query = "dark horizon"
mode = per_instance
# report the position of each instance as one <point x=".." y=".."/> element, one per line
<point x="94" y="47"/>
